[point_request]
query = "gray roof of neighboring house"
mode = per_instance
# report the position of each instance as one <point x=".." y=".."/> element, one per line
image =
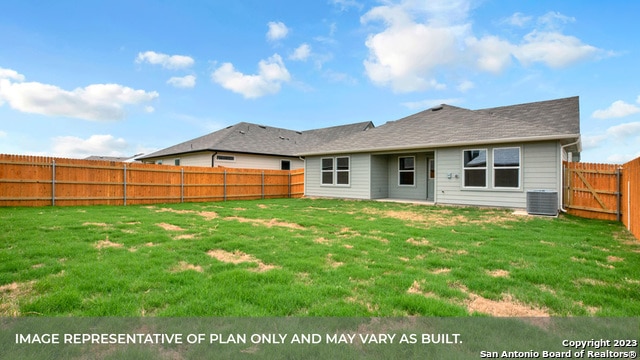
<point x="447" y="125"/>
<point x="259" y="139"/>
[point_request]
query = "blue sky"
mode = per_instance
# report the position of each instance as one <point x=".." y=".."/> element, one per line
<point x="80" y="78"/>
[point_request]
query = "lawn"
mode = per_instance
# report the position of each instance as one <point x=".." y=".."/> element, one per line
<point x="310" y="257"/>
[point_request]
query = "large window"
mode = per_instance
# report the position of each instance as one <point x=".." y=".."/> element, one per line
<point x="506" y="168"/>
<point x="406" y="170"/>
<point x="335" y="171"/>
<point x="475" y="168"/>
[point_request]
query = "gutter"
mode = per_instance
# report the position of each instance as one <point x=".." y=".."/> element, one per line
<point x="562" y="147"/>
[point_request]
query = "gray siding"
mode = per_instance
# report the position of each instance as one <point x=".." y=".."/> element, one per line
<point x="539" y="170"/>
<point x="379" y="177"/>
<point x="418" y="191"/>
<point x="359" y="177"/>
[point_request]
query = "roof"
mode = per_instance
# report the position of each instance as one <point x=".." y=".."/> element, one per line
<point x="259" y="139"/>
<point x="112" y="158"/>
<point x="447" y="125"/>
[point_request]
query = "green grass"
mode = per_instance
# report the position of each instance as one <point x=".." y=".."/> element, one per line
<point x="317" y="258"/>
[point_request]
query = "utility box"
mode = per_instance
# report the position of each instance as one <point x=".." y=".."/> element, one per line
<point x="542" y="202"/>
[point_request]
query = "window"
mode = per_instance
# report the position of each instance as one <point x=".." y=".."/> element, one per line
<point x="406" y="170"/>
<point x="506" y="168"/>
<point x="327" y="171"/>
<point x="226" y="158"/>
<point x="475" y="168"/>
<point x="342" y="171"/>
<point x="285" y="165"/>
<point x="335" y="171"/>
<point x="176" y="162"/>
<point x="159" y="162"/>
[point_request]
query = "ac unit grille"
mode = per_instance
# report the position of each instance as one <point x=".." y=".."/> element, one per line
<point x="542" y="202"/>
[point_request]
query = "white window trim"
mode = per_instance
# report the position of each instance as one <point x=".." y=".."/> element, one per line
<point x="334" y="171"/>
<point x="485" y="168"/>
<point x="405" y="171"/>
<point x="519" y="167"/>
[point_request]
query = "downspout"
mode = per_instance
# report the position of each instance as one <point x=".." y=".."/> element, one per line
<point x="213" y="157"/>
<point x="562" y="147"/>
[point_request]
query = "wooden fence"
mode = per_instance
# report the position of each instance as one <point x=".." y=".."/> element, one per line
<point x="630" y="185"/>
<point x="604" y="191"/>
<point x="42" y="181"/>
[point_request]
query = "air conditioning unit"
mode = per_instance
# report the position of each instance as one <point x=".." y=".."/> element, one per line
<point x="542" y="202"/>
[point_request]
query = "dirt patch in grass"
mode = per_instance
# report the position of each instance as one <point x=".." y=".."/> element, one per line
<point x="334" y="264"/>
<point x="185" y="237"/>
<point x="107" y="244"/>
<point x="416" y="288"/>
<point x="208" y="215"/>
<point x="441" y="271"/>
<point x="184" y="266"/>
<point x="238" y="257"/>
<point x="614" y="259"/>
<point x="10" y="295"/>
<point x="498" y="273"/>
<point x="507" y="307"/>
<point x="264" y="222"/>
<point x="170" y="227"/>
<point x="95" y="224"/>
<point x="443" y="217"/>
<point x="322" y="241"/>
<point x="421" y="242"/>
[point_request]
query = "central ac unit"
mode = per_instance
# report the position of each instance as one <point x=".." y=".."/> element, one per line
<point x="542" y="202"/>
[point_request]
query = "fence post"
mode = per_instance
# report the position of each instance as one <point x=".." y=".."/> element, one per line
<point x="224" y="186"/>
<point x="124" y="196"/>
<point x="289" y="185"/>
<point x="262" y="185"/>
<point x="53" y="182"/>
<point x="182" y="185"/>
<point x="619" y="195"/>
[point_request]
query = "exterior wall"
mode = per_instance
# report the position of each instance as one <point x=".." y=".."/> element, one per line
<point x="359" y="178"/>
<point x="418" y="191"/>
<point x="245" y="161"/>
<point x="539" y="169"/>
<point x="379" y="177"/>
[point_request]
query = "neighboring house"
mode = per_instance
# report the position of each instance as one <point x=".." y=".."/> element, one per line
<point x="128" y="159"/>
<point x="246" y="145"/>
<point x="451" y="155"/>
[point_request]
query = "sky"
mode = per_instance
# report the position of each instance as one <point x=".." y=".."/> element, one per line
<point x="123" y="77"/>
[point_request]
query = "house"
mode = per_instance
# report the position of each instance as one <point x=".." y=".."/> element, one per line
<point x="452" y="155"/>
<point x="127" y="159"/>
<point x="246" y="145"/>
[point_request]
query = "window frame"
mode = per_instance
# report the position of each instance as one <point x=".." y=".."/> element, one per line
<point x="518" y="167"/>
<point x="282" y="162"/>
<point x="226" y="158"/>
<point x="485" y="168"/>
<point x="405" y="171"/>
<point x="335" y="171"/>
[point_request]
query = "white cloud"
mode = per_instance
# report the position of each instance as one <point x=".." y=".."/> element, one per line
<point x="616" y="110"/>
<point x="344" y="5"/>
<point x="553" y="49"/>
<point x="277" y="30"/>
<point x="301" y="53"/>
<point x="3" y="134"/>
<point x="271" y="74"/>
<point x="166" y="61"/>
<point x="93" y="102"/>
<point x="10" y="75"/>
<point x="517" y="19"/>
<point x="75" y="147"/>
<point x="493" y="54"/>
<point x="624" y="131"/>
<point x="188" y="81"/>
<point x="465" y="86"/>
<point x="395" y="58"/>
<point x="419" y="39"/>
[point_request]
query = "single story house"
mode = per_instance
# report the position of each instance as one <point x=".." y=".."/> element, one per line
<point x="452" y="155"/>
<point x="252" y="146"/>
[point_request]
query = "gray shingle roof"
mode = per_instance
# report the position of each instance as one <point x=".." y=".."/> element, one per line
<point x="258" y="139"/>
<point x="452" y="126"/>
